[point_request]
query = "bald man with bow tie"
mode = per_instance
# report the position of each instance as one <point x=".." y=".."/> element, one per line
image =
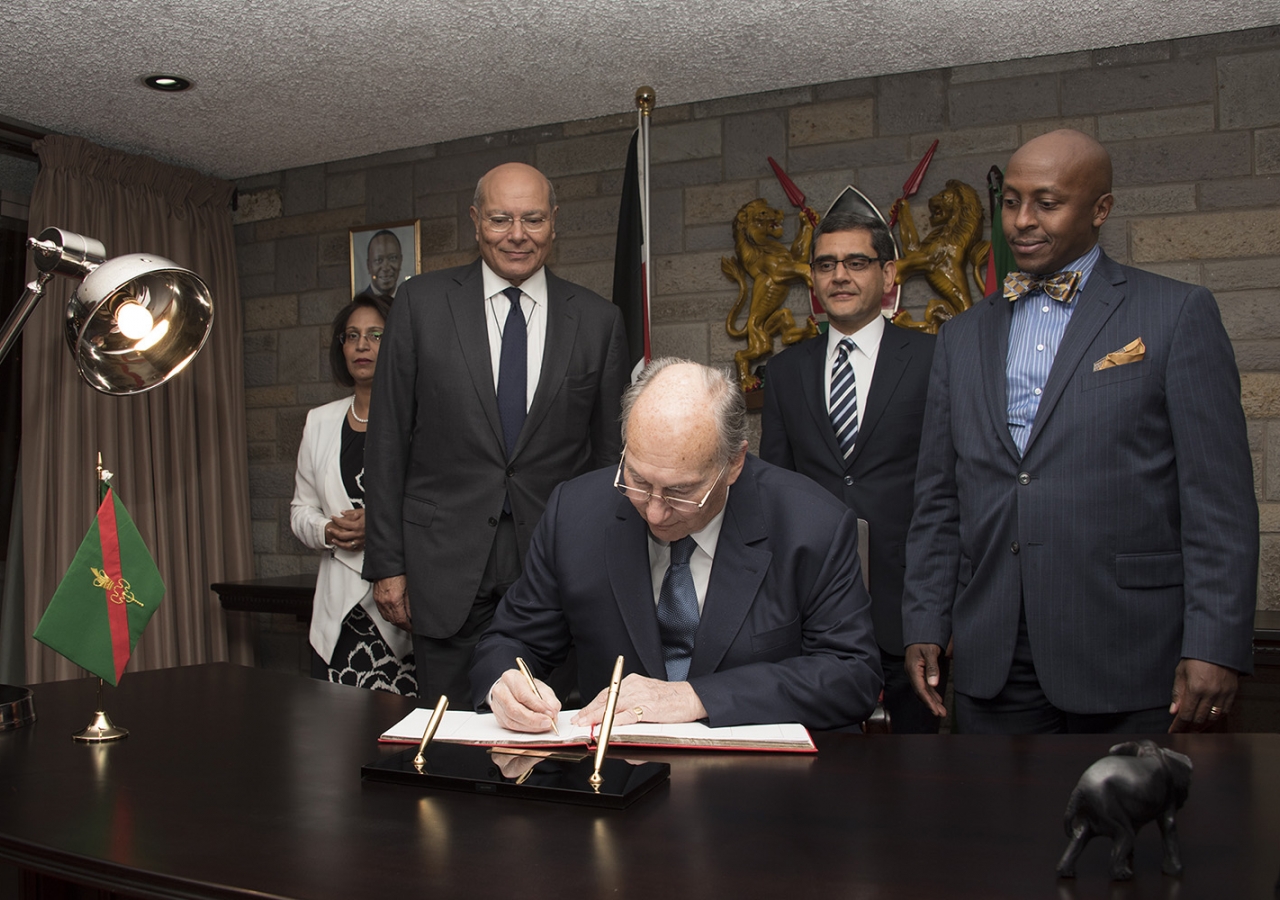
<point x="1085" y="526"/>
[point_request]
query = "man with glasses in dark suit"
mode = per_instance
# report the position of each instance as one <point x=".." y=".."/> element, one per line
<point x="730" y="587"/>
<point x="496" y="381"/>
<point x="846" y="409"/>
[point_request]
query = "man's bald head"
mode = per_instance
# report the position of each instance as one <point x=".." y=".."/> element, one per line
<point x="1067" y="149"/>
<point x="683" y="397"/>
<point x="1057" y="194"/>
<point x="508" y="172"/>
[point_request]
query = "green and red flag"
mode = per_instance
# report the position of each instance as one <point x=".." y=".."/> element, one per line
<point x="106" y="598"/>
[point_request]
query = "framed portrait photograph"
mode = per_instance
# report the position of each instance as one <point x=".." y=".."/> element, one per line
<point x="383" y="256"/>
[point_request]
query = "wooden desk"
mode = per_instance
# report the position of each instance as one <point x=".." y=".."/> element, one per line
<point x="236" y="782"/>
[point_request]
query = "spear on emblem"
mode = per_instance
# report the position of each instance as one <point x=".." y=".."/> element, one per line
<point x="796" y="198"/>
<point x="912" y="185"/>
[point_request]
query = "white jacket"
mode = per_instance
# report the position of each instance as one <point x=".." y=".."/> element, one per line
<point x="318" y="493"/>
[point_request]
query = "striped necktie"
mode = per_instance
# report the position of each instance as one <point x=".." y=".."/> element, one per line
<point x="844" y="398"/>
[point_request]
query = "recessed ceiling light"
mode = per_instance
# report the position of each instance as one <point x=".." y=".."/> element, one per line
<point x="168" y="83"/>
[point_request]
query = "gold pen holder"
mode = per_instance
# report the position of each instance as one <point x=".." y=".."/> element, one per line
<point x="433" y="723"/>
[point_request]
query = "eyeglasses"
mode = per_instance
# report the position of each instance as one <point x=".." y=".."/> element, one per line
<point x="532" y="223"/>
<point x="676" y="503"/>
<point x="825" y="265"/>
<point x="352" y="337"/>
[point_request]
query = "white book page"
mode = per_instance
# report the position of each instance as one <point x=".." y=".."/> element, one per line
<point x="482" y="728"/>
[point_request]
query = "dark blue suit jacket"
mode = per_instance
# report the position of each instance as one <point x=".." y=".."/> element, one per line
<point x="1128" y="528"/>
<point x="878" y="479"/>
<point x="785" y="634"/>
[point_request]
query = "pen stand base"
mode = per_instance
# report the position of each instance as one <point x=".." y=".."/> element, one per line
<point x="555" y="777"/>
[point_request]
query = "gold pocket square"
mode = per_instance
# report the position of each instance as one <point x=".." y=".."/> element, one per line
<point x="1131" y="353"/>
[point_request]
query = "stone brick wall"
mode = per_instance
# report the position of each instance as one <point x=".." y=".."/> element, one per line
<point x="1193" y="127"/>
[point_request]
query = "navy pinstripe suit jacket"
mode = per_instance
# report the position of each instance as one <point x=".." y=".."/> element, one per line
<point x="1129" y="528"/>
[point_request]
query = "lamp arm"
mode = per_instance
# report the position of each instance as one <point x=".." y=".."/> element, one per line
<point x="21" y="312"/>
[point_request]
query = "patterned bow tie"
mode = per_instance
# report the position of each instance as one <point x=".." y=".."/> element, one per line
<point x="1061" y="286"/>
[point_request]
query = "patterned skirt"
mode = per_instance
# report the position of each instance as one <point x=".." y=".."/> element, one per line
<point x="362" y="658"/>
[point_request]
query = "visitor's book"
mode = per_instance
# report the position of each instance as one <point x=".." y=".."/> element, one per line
<point x="481" y="729"/>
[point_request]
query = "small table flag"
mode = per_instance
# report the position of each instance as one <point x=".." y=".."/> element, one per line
<point x="106" y="598"/>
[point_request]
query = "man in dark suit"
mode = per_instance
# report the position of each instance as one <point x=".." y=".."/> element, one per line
<point x="730" y="587"/>
<point x="496" y="381"/>
<point x="1085" y="524"/>
<point x="884" y="371"/>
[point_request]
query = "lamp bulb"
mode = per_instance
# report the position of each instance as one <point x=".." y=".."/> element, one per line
<point x="134" y="320"/>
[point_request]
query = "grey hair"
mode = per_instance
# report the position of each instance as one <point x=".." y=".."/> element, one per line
<point x="477" y="199"/>
<point x="726" y="403"/>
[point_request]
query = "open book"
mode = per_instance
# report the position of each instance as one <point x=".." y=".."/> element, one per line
<point x="481" y="728"/>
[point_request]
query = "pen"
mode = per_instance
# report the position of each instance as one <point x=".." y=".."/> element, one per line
<point x="528" y="676"/>
<point x="606" y="725"/>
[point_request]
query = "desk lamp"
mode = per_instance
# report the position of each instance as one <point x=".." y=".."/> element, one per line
<point x="134" y="321"/>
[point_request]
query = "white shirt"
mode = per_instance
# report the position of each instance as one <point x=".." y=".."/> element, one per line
<point x="533" y="303"/>
<point x="699" y="562"/>
<point x="867" y="339"/>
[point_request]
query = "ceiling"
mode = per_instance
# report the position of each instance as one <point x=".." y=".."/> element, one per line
<point x="295" y="82"/>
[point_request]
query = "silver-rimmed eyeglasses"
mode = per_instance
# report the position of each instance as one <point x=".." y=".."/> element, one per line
<point x="855" y="263"/>
<point x="374" y="336"/>
<point x="530" y="222"/>
<point x="676" y="503"/>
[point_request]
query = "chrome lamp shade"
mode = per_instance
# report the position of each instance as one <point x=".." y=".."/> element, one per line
<point x="133" y="322"/>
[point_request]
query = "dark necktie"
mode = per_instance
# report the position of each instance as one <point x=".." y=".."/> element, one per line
<point x="844" y="398"/>
<point x="1060" y="286"/>
<point x="513" y="372"/>
<point x="678" y="611"/>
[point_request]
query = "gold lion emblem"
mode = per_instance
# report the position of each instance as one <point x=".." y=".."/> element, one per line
<point x="773" y="268"/>
<point x="952" y="242"/>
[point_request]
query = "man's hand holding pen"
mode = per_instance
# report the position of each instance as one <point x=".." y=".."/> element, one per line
<point x="517" y="706"/>
<point x="642" y="699"/>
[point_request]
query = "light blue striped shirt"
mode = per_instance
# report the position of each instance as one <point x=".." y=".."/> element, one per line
<point x="1034" y="335"/>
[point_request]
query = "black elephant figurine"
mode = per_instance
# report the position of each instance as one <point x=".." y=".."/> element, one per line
<point x="1136" y="782"/>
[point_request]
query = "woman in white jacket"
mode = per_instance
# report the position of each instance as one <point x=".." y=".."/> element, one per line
<point x="351" y="643"/>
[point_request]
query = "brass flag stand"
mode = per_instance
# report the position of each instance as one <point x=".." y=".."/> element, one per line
<point x="101" y="729"/>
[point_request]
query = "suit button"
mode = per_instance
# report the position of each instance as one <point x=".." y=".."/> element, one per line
<point x="1013" y="548"/>
<point x="511" y="471"/>
<point x="1024" y="478"/>
<point x="493" y="523"/>
<point x="848" y="479"/>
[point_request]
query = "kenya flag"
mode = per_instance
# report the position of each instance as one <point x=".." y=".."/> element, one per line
<point x="106" y="598"/>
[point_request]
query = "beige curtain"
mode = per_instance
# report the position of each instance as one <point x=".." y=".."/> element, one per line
<point x="178" y="451"/>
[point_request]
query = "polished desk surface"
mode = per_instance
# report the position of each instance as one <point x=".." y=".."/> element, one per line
<point x="236" y="782"/>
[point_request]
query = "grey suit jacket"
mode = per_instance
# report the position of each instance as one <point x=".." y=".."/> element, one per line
<point x="785" y="634"/>
<point x="878" y="479"/>
<point x="436" y="468"/>
<point x="1129" y="527"/>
